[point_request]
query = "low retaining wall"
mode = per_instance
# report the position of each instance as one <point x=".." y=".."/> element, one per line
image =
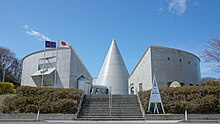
<point x="74" y="116"/>
<point x="41" y="116"/>
<point x="182" y="116"/>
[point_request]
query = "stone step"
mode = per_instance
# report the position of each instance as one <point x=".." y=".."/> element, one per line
<point x="115" y="112"/>
<point x="127" y="104"/>
<point x="103" y="101"/>
<point x="107" y="105"/>
<point x="107" y="114"/>
<point x="113" y="109"/>
<point x="124" y="107"/>
<point x="107" y="101"/>
<point x="112" y="98"/>
<point x="106" y="95"/>
<point x="124" y="103"/>
<point x="111" y="117"/>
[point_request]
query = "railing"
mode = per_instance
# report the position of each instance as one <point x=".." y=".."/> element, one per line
<point x="80" y="104"/>
<point x="142" y="110"/>
<point x="110" y="101"/>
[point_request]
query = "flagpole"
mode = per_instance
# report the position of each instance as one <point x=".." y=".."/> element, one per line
<point x="42" y="79"/>
<point x="55" y="82"/>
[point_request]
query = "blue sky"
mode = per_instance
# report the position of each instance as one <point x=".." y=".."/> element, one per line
<point x="90" y="25"/>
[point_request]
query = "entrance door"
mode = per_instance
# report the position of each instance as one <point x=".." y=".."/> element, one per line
<point x="87" y="88"/>
<point x="132" y="90"/>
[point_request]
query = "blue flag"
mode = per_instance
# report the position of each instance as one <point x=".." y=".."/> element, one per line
<point x="50" y="44"/>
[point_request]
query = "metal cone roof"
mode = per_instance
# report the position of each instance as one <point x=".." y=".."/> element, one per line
<point x="114" y="72"/>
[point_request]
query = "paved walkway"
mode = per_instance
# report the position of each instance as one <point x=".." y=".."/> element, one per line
<point x="115" y="122"/>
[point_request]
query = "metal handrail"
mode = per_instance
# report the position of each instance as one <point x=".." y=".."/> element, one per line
<point x="142" y="110"/>
<point x="80" y="104"/>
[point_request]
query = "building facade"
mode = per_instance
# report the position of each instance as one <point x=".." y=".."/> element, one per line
<point x="59" y="68"/>
<point x="63" y="68"/>
<point x="168" y="65"/>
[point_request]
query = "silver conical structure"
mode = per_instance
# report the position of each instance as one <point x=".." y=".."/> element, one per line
<point x="114" y="72"/>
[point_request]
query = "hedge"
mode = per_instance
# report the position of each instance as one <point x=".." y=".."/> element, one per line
<point x="195" y="99"/>
<point x="47" y="100"/>
<point x="6" y="87"/>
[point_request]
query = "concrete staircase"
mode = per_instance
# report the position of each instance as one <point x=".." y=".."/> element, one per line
<point x="124" y="107"/>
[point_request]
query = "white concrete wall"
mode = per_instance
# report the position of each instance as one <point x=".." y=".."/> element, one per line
<point x="69" y="67"/>
<point x="63" y="68"/>
<point x="155" y="61"/>
<point x="78" y="69"/>
<point x="174" y="70"/>
<point x="30" y="66"/>
<point x="142" y="73"/>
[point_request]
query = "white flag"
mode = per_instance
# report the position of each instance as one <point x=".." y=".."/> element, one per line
<point x="63" y="44"/>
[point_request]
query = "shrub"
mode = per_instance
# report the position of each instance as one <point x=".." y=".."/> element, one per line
<point x="6" y="87"/>
<point x="4" y="100"/>
<point x="211" y="83"/>
<point x="195" y="99"/>
<point x="47" y="100"/>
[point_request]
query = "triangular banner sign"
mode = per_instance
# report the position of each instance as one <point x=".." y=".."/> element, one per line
<point x="155" y="97"/>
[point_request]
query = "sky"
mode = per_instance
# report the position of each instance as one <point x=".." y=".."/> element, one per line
<point x="90" y="25"/>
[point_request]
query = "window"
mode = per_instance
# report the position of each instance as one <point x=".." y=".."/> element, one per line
<point x="168" y="58"/>
<point x="182" y="84"/>
<point x="190" y="84"/>
<point x="195" y="64"/>
<point x="140" y="86"/>
<point x="180" y="60"/>
<point x="189" y="62"/>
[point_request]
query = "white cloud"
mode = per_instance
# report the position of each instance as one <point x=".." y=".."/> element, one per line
<point x="177" y="7"/>
<point x="160" y="9"/>
<point x="195" y="3"/>
<point x="38" y="35"/>
<point x="26" y="27"/>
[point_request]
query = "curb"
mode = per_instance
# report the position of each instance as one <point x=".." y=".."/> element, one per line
<point x="20" y="120"/>
<point x="199" y="121"/>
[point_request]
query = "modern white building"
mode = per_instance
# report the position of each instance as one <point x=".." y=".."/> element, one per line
<point x="114" y="72"/>
<point x="168" y="65"/>
<point x="63" y="68"/>
<point x="59" y="68"/>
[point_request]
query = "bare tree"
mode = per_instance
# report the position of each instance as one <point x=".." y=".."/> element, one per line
<point x="10" y="66"/>
<point x="212" y="53"/>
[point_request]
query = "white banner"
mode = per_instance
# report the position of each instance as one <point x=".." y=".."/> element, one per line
<point x="155" y="97"/>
